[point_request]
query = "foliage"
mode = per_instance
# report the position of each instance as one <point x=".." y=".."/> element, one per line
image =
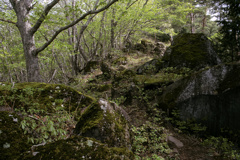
<point x="188" y="126"/>
<point x="46" y="127"/>
<point x="150" y="142"/>
<point x="230" y="22"/>
<point x="38" y="123"/>
<point x="222" y="146"/>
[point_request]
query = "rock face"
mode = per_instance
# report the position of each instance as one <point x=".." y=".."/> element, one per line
<point x="211" y="96"/>
<point x="192" y="51"/>
<point x="105" y="122"/>
<point x="147" y="46"/>
<point x="12" y="140"/>
<point x="76" y="148"/>
<point x="102" y="132"/>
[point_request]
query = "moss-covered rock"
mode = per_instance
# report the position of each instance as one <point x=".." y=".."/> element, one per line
<point x="211" y="96"/>
<point x="151" y="67"/>
<point x="77" y="148"/>
<point x="43" y="96"/>
<point x="120" y="61"/>
<point x="90" y="66"/>
<point x="106" y="122"/>
<point x="13" y="142"/>
<point x="192" y="51"/>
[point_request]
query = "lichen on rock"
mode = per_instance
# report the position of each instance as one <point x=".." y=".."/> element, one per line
<point x="105" y="122"/>
<point x="76" y="148"/>
<point x="13" y="142"/>
<point x="192" y="51"/>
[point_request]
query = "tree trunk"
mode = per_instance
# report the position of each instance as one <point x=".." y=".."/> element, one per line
<point x="192" y="16"/>
<point x="22" y="10"/>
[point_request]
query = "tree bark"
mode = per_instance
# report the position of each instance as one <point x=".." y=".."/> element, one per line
<point x="22" y="10"/>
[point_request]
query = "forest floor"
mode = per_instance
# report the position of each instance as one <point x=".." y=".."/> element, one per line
<point x="184" y="146"/>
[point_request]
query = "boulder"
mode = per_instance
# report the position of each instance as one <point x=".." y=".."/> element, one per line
<point x="150" y="67"/>
<point x="13" y="141"/>
<point x="192" y="51"/>
<point x="76" y="148"/>
<point x="159" y="49"/>
<point x="107" y="71"/>
<point x="102" y="131"/>
<point x="120" y="61"/>
<point x="43" y="96"/>
<point x="90" y="66"/>
<point x="211" y="96"/>
<point x="105" y="122"/>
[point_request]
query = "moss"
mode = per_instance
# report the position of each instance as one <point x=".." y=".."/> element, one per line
<point x="45" y="95"/>
<point x="13" y="142"/>
<point x="169" y="98"/>
<point x="99" y="87"/>
<point x="89" y="119"/>
<point x="104" y="124"/>
<point x="80" y="148"/>
<point x="189" y="50"/>
<point x="91" y="65"/>
<point x="120" y="60"/>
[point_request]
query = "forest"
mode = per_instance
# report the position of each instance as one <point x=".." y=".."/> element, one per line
<point x="127" y="79"/>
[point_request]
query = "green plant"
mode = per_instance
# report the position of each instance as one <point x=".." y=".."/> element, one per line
<point x="120" y="100"/>
<point x="223" y="146"/>
<point x="188" y="126"/>
<point x="46" y="127"/>
<point x="149" y="141"/>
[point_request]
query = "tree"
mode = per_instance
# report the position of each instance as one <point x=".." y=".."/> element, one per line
<point x="230" y="27"/>
<point x="23" y="9"/>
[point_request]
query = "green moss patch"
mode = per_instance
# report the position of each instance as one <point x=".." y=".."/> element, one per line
<point x="13" y="142"/>
<point x="191" y="50"/>
<point x="43" y="95"/>
<point x="105" y="122"/>
<point x="78" y="147"/>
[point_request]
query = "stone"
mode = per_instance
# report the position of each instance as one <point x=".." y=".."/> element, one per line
<point x="211" y="97"/>
<point x="90" y="66"/>
<point x="105" y="122"/>
<point x="13" y="142"/>
<point x="44" y="95"/>
<point x="150" y="67"/>
<point x="193" y="51"/>
<point x="76" y="148"/>
<point x="174" y="140"/>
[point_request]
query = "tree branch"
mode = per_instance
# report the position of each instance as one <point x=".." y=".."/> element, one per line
<point x="72" y="24"/>
<point x="43" y="16"/>
<point x="8" y="21"/>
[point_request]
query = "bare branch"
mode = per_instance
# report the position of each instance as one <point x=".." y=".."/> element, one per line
<point x="43" y="16"/>
<point x="8" y="21"/>
<point x="72" y="24"/>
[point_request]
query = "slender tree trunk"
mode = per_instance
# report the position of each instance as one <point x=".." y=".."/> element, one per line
<point x="192" y="22"/>
<point x="113" y="25"/>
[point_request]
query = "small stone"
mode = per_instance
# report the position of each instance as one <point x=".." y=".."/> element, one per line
<point x="6" y="145"/>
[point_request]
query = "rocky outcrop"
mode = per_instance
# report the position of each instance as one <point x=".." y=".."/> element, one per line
<point x="151" y="67"/>
<point x="12" y="140"/>
<point x="149" y="47"/>
<point x="192" y="51"/>
<point x="102" y="131"/>
<point x="43" y="95"/>
<point x="211" y="96"/>
<point x="76" y="148"/>
<point x="105" y="122"/>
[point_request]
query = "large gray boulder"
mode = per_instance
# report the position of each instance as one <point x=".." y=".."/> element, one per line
<point x="211" y="96"/>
